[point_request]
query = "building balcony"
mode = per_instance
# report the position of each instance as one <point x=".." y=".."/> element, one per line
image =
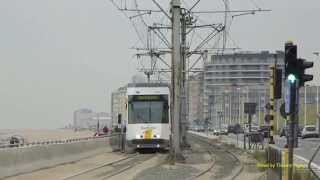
<point x="240" y="64"/>
<point x="238" y="70"/>
<point x="236" y="77"/>
<point x="238" y="84"/>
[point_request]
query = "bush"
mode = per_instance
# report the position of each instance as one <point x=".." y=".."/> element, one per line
<point x="302" y="174"/>
<point x="260" y="156"/>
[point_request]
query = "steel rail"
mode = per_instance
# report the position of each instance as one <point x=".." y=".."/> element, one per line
<point x="206" y="170"/>
<point x="127" y="167"/>
<point x="235" y="175"/>
<point x="98" y="167"/>
<point x="138" y="159"/>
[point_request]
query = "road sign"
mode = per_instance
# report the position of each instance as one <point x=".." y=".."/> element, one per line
<point x="250" y="108"/>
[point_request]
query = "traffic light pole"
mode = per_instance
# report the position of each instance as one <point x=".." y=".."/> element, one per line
<point x="292" y="109"/>
<point x="294" y="88"/>
<point x="295" y="78"/>
<point x="292" y="83"/>
<point x="290" y="147"/>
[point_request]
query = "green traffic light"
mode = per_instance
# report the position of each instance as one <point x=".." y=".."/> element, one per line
<point x="292" y="78"/>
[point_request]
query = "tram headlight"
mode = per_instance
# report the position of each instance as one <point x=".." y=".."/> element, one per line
<point x="138" y="136"/>
<point x="156" y="136"/>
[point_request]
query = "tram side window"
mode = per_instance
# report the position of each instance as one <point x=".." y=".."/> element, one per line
<point x="165" y="114"/>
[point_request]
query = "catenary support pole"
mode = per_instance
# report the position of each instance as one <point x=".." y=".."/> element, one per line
<point x="183" y="117"/>
<point x="239" y="115"/>
<point x="317" y="98"/>
<point x="259" y="108"/>
<point x="230" y="110"/>
<point x="176" y="73"/>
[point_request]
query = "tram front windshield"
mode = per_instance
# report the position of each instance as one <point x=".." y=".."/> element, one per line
<point x="148" y="109"/>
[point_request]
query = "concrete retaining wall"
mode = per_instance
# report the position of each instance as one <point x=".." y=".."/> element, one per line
<point x="15" y="161"/>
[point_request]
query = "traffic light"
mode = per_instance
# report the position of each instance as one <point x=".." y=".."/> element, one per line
<point x="277" y="88"/>
<point x="268" y="118"/>
<point x="303" y="65"/>
<point x="290" y="58"/>
<point x="294" y="67"/>
<point x="119" y="119"/>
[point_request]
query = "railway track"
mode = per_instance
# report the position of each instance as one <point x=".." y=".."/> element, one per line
<point x="213" y="159"/>
<point x="111" y="169"/>
<point x="213" y="150"/>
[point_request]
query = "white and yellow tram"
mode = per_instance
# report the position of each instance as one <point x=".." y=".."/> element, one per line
<point x="148" y="116"/>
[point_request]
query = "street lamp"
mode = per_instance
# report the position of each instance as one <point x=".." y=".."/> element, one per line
<point x="317" y="85"/>
<point x="239" y="105"/>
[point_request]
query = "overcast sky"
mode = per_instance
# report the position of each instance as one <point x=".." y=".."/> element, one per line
<point x="60" y="55"/>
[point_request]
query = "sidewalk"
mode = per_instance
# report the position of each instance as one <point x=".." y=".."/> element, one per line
<point x="224" y="139"/>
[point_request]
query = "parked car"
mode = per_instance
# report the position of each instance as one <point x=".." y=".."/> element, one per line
<point x="15" y="140"/>
<point x="238" y="129"/>
<point x="235" y="129"/>
<point x="211" y="129"/>
<point x="198" y="128"/>
<point x="222" y="131"/>
<point x="216" y="132"/>
<point x="264" y="129"/>
<point x="231" y="129"/>
<point x="284" y="131"/>
<point x="253" y="128"/>
<point x="309" y="131"/>
<point x="300" y="132"/>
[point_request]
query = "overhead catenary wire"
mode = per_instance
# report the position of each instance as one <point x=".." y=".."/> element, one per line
<point x="231" y="11"/>
<point x="159" y="6"/>
<point x="160" y="35"/>
<point x="255" y="4"/>
<point x="194" y="5"/>
<point x="135" y="28"/>
<point x="156" y="32"/>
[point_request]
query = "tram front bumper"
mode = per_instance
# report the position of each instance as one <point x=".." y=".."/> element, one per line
<point x="148" y="143"/>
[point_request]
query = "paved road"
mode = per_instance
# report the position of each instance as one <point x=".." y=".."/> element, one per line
<point x="305" y="150"/>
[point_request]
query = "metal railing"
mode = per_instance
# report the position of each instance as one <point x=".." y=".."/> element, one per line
<point x="50" y="142"/>
<point x="274" y="158"/>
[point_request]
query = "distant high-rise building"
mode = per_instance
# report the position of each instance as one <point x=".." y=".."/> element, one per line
<point x="82" y="118"/>
<point x="103" y="118"/>
<point x="309" y="106"/>
<point x="118" y="104"/>
<point x="195" y="95"/>
<point x="87" y="119"/>
<point x="230" y="80"/>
